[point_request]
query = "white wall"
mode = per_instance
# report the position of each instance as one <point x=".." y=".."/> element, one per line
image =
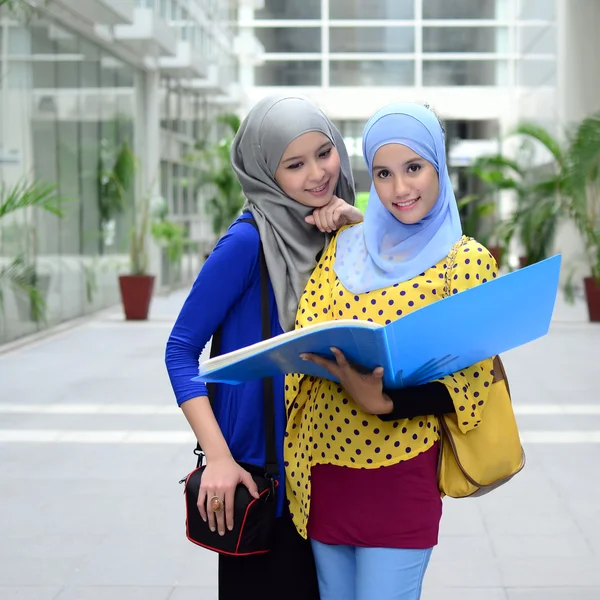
<point x="578" y="72"/>
<point x="360" y="103"/>
<point x="578" y="58"/>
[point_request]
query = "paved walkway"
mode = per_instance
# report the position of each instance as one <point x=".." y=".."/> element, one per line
<point x="92" y="447"/>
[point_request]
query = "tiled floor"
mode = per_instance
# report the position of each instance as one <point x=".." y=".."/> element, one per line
<point x="92" y="447"/>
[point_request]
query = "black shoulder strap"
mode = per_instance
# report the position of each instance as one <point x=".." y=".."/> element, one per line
<point x="271" y="466"/>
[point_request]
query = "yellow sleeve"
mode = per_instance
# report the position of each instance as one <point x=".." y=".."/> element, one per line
<point x="469" y="388"/>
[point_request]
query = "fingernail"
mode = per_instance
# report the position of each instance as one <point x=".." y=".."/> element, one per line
<point x="303" y="357"/>
<point x="221" y="533"/>
<point x="213" y="529"/>
<point x="230" y="527"/>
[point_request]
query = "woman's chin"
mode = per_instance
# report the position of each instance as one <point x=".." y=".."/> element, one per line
<point x="316" y="201"/>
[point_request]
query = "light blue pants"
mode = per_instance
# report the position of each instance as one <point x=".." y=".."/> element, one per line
<point x="350" y="573"/>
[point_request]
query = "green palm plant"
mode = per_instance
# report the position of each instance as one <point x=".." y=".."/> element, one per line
<point x="215" y="166"/>
<point x="550" y="184"/>
<point x="171" y="235"/>
<point x="116" y="172"/>
<point x="583" y="180"/>
<point x="20" y="274"/>
<point x="496" y="173"/>
<point x="476" y="209"/>
<point x="542" y="199"/>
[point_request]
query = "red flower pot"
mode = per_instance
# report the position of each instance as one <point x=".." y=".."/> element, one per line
<point x="592" y="294"/>
<point x="496" y="252"/>
<point x="136" y="294"/>
<point x="523" y="262"/>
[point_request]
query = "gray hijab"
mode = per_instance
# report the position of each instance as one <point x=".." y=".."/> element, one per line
<point x="291" y="245"/>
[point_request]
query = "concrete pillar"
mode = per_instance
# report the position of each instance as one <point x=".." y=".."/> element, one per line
<point x="148" y="152"/>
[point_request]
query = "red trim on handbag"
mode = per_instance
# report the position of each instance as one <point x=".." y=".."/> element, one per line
<point x="236" y="553"/>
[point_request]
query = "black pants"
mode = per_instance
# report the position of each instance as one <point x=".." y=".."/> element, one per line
<point x="287" y="572"/>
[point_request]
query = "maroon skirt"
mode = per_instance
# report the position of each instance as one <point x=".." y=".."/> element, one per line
<point x="391" y="507"/>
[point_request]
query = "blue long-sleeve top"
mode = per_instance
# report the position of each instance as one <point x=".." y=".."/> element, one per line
<point x="227" y="293"/>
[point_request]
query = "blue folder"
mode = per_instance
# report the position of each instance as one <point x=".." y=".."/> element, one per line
<point x="438" y="339"/>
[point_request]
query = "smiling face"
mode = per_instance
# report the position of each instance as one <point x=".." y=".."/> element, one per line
<point x="309" y="169"/>
<point x="407" y="184"/>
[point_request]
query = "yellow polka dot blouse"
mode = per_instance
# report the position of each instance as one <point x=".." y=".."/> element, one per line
<point x="325" y="425"/>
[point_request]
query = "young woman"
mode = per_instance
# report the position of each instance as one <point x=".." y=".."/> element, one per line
<point x="295" y="173"/>
<point x="361" y="460"/>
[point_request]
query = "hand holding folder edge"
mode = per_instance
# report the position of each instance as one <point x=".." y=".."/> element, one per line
<point x="441" y="338"/>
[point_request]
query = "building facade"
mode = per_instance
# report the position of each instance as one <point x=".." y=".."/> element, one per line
<point x="81" y="80"/>
<point x="473" y="61"/>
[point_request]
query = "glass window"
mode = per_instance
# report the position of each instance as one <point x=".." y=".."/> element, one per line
<point x="290" y="9"/>
<point x="371" y="72"/>
<point x="537" y="9"/>
<point x="537" y="40"/>
<point x="44" y="154"/>
<point x="463" y="72"/>
<point x="68" y="63"/>
<point x="125" y="75"/>
<point x="534" y="73"/>
<point x="163" y="9"/>
<point x="461" y="9"/>
<point x="372" y="9"/>
<point x="372" y="39"/>
<point x="301" y="72"/>
<point x="44" y="74"/>
<point x="176" y="188"/>
<point x="90" y="65"/>
<point x="19" y="40"/>
<point x="289" y="39"/>
<point x="68" y="58"/>
<point x="186" y="190"/>
<point x="90" y="157"/>
<point x="41" y="42"/>
<point x="465" y="39"/>
<point x="68" y="175"/>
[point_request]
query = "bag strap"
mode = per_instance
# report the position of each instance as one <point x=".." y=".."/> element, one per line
<point x="498" y="366"/>
<point x="451" y="264"/>
<point x="271" y="464"/>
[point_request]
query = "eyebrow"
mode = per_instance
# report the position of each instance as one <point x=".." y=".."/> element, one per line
<point x="407" y="162"/>
<point x="327" y="143"/>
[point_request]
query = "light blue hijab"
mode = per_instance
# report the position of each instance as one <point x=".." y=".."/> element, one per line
<point x="382" y="251"/>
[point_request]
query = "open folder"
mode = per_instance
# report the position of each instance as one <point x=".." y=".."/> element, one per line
<point x="438" y="339"/>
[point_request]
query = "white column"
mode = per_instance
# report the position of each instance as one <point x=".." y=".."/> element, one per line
<point x="418" y="28"/>
<point x="563" y="54"/>
<point x="325" y="44"/>
<point x="148" y="150"/>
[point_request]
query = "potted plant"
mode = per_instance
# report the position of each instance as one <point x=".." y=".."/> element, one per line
<point x="481" y="210"/>
<point x="20" y="274"/>
<point x="170" y="236"/>
<point x="116" y="175"/>
<point x="536" y="220"/>
<point x="477" y="212"/>
<point x="215" y="171"/>
<point x="542" y="195"/>
<point x="584" y="183"/>
<point x="137" y="286"/>
<point x="116" y="172"/>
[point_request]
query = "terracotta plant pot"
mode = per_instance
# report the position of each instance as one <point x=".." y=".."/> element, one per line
<point x="523" y="262"/>
<point x="592" y="294"/>
<point x="496" y="252"/>
<point x="136" y="294"/>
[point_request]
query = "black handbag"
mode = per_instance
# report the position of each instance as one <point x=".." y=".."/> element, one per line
<point x="254" y="518"/>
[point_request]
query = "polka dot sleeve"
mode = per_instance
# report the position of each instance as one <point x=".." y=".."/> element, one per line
<point x="469" y="388"/>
